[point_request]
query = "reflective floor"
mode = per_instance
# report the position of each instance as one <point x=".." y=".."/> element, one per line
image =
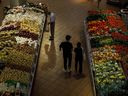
<point x="50" y="79"/>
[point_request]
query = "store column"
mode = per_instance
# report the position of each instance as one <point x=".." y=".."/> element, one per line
<point x="17" y="2"/>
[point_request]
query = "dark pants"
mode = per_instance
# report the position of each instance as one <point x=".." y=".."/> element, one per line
<point x="78" y="61"/>
<point x="52" y="28"/>
<point x="67" y="60"/>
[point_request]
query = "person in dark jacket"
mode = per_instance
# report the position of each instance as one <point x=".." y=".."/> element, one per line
<point x="78" y="57"/>
<point x="67" y="52"/>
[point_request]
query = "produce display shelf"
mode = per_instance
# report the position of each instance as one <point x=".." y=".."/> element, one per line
<point x="35" y="64"/>
<point x="107" y="71"/>
<point x="89" y="57"/>
<point x="21" y="34"/>
<point x="106" y="35"/>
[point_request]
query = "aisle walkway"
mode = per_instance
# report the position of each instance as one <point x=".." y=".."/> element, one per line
<point x="50" y="79"/>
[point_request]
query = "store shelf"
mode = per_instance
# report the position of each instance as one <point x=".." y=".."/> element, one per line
<point x="37" y="58"/>
<point x="106" y="71"/>
<point x="22" y="32"/>
<point x="89" y="56"/>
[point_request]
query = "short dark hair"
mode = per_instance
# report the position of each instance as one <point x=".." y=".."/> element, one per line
<point x="78" y="44"/>
<point x="68" y="37"/>
<point x="49" y="13"/>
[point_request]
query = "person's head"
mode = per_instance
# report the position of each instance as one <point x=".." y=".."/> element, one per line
<point x="78" y="44"/>
<point x="68" y="37"/>
<point x="52" y="14"/>
<point x="49" y="13"/>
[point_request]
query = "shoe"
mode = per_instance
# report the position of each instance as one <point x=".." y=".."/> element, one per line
<point x="64" y="70"/>
<point x="51" y="38"/>
<point x="69" y="70"/>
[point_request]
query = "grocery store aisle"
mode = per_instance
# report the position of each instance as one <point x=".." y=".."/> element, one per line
<point x="50" y="78"/>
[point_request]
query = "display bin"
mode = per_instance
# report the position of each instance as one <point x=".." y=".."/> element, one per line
<point x="21" y="36"/>
<point x="89" y="57"/>
<point x="108" y="76"/>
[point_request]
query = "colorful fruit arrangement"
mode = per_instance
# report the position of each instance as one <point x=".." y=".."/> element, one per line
<point x="17" y="9"/>
<point x="30" y="25"/>
<point x="25" y="48"/>
<point x="3" y="55"/>
<point x="19" y="58"/>
<point x="11" y="86"/>
<point x="8" y="43"/>
<point x="121" y="48"/>
<point x="119" y="36"/>
<point x="29" y="20"/>
<point x="19" y="36"/>
<point x="108" y="72"/>
<point x="101" y="41"/>
<point x="8" y="33"/>
<point x="27" y="34"/>
<point x="104" y="56"/>
<point x="29" y="41"/>
<point x="98" y="27"/>
<point x="9" y="27"/>
<point x="17" y="75"/>
<point x="108" y="38"/>
<point x="96" y="17"/>
<point x="115" y="22"/>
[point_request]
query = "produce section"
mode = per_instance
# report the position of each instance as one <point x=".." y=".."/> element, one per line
<point x="107" y="47"/>
<point x="20" y="38"/>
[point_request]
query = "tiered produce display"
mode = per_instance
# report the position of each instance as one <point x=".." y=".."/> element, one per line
<point x="20" y="36"/>
<point x="108" y="38"/>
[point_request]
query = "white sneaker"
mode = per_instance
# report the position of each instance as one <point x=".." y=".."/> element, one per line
<point x="64" y="70"/>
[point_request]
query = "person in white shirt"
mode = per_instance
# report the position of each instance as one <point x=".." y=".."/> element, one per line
<point x="52" y="25"/>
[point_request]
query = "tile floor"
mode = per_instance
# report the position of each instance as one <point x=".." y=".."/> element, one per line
<point x="50" y="80"/>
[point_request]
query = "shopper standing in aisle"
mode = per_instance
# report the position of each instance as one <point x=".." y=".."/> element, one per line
<point x="67" y="53"/>
<point x="52" y="24"/>
<point x="99" y="1"/>
<point x="78" y="58"/>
